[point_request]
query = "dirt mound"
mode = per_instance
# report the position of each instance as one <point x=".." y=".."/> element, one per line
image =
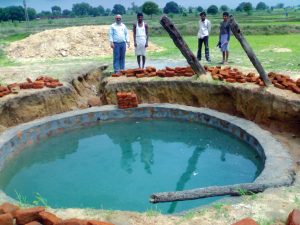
<point x="71" y="41"/>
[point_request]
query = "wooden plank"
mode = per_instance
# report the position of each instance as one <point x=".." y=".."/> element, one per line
<point x="234" y="190"/>
<point x="181" y="45"/>
<point x="249" y="51"/>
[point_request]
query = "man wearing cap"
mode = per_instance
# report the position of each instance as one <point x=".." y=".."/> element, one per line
<point x="140" y="37"/>
<point x="118" y="37"/>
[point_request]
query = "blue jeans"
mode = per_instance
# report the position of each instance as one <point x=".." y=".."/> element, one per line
<point x="119" y="56"/>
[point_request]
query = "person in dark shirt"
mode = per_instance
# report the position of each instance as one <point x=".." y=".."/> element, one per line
<point x="224" y="38"/>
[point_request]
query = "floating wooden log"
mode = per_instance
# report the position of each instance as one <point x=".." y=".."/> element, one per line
<point x="233" y="190"/>
<point x="181" y="44"/>
<point x="249" y="51"/>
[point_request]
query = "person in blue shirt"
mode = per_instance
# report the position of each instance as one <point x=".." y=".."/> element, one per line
<point x="118" y="37"/>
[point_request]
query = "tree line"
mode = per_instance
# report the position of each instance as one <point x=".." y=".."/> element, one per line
<point x="17" y="13"/>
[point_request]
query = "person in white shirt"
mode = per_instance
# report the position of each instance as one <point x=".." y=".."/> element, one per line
<point x="140" y="37"/>
<point x="203" y="35"/>
<point x="118" y="37"/>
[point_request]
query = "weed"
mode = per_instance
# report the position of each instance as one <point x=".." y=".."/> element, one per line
<point x="40" y="200"/>
<point x="22" y="200"/>
<point x="221" y="211"/>
<point x="153" y="212"/>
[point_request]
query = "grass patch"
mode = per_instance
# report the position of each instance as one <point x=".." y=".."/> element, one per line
<point x="276" y="52"/>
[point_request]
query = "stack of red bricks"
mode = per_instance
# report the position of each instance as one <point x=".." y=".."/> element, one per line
<point x="127" y="100"/>
<point x="230" y="75"/>
<point x="39" y="83"/>
<point x="233" y="75"/>
<point x="37" y="216"/>
<point x="285" y="82"/>
<point x="153" y="72"/>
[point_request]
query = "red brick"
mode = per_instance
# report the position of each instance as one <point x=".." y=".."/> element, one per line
<point x="294" y="218"/>
<point x="246" y="221"/>
<point x="279" y="86"/>
<point x="296" y="89"/>
<point x="6" y="219"/>
<point x="73" y="222"/>
<point x="94" y="222"/>
<point x="49" y="218"/>
<point x="8" y="208"/>
<point x="24" y="216"/>
<point x="34" y="223"/>
<point x="298" y="82"/>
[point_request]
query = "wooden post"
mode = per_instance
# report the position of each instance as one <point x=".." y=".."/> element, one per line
<point x="256" y="63"/>
<point x="234" y="190"/>
<point x="181" y="44"/>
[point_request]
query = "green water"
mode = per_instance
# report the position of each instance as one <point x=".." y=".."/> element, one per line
<point x="118" y="165"/>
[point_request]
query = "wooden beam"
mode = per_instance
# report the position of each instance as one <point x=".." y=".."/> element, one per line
<point x="234" y="190"/>
<point x="181" y="44"/>
<point x="256" y="63"/>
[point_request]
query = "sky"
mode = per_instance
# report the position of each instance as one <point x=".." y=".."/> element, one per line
<point x="46" y="5"/>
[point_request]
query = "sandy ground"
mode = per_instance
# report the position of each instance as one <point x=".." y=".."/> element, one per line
<point x="77" y="41"/>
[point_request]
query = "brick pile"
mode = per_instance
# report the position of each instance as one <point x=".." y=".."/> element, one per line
<point x="153" y="72"/>
<point x="39" y="83"/>
<point x="9" y="214"/>
<point x="233" y="75"/>
<point x="127" y="100"/>
<point x="285" y="82"/>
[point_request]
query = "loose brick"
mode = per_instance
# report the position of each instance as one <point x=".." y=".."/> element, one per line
<point x="298" y="82"/>
<point x="34" y="223"/>
<point x="73" y="222"/>
<point x="296" y="89"/>
<point x="49" y="218"/>
<point x="8" y="208"/>
<point x="246" y="221"/>
<point x="279" y="86"/>
<point x="94" y="222"/>
<point x="24" y="216"/>
<point x="294" y="218"/>
<point x="6" y="219"/>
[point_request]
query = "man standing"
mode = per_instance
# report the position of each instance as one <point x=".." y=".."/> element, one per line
<point x="140" y="36"/>
<point x="224" y="38"/>
<point x="118" y="37"/>
<point x="203" y="34"/>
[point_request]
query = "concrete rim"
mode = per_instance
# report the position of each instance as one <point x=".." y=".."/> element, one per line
<point x="277" y="161"/>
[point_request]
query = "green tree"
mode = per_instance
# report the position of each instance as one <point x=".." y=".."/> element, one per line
<point x="118" y="9"/>
<point x="248" y="8"/>
<point x="224" y="8"/>
<point x="66" y="13"/>
<point x="107" y="12"/>
<point x="199" y="9"/>
<point x="44" y="14"/>
<point x="16" y="13"/>
<point x="150" y="8"/>
<point x="31" y="13"/>
<point x="213" y="9"/>
<point x="240" y="7"/>
<point x="191" y="9"/>
<point x="97" y="11"/>
<point x="261" y="6"/>
<point x="171" y="7"/>
<point x="81" y="9"/>
<point x="280" y="6"/>
<point x="56" y="11"/>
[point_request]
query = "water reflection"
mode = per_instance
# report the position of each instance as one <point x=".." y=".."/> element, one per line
<point x="160" y="155"/>
<point x="186" y="176"/>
